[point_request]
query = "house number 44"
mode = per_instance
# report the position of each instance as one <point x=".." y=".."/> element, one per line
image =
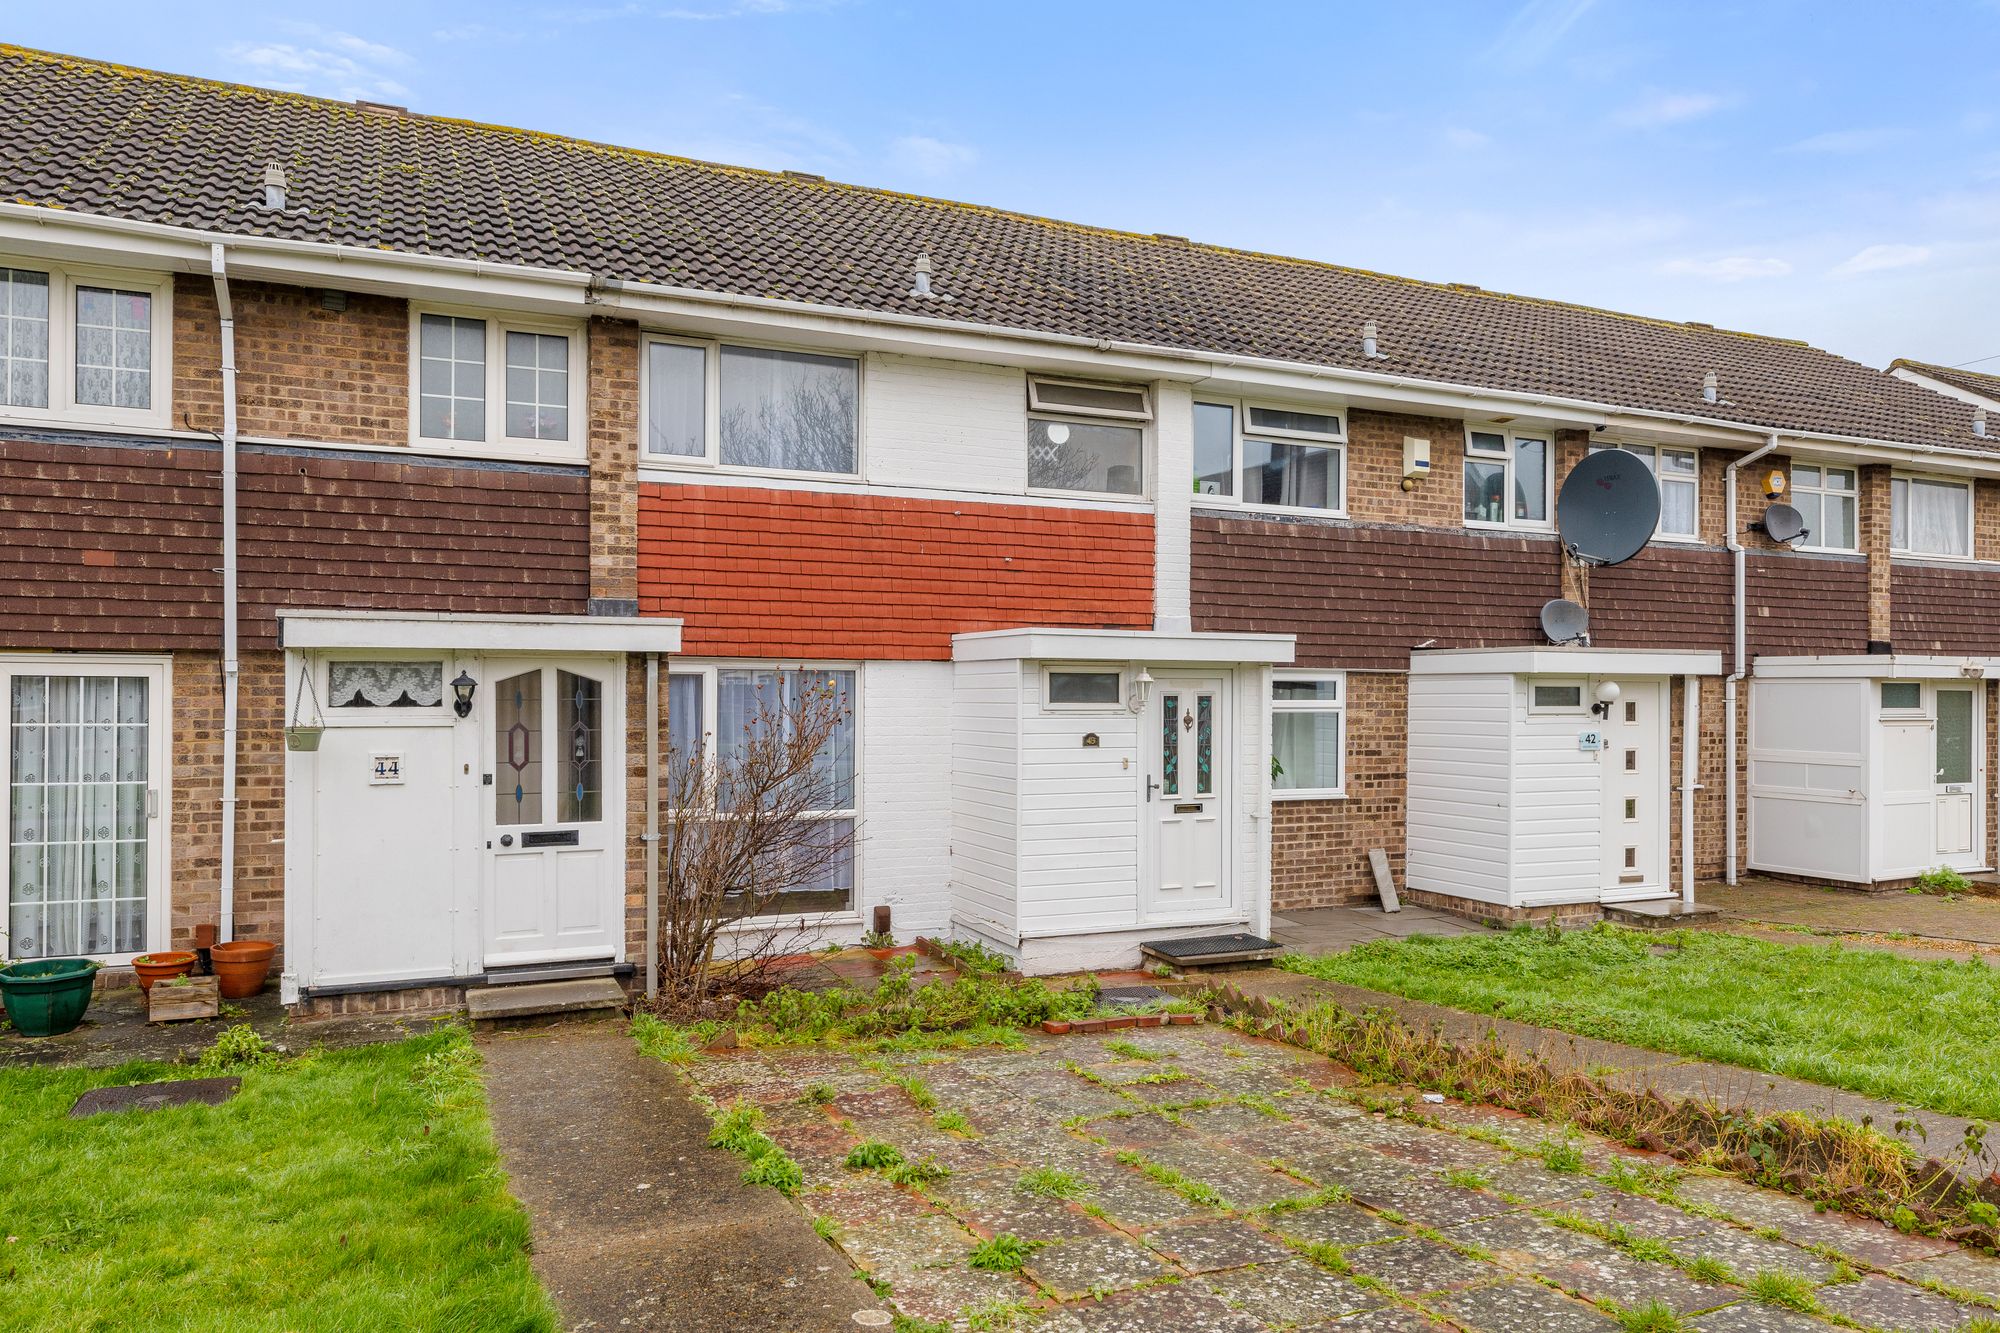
<point x="385" y="770"/>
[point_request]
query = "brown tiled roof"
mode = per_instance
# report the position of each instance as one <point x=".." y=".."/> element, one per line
<point x="1972" y="381"/>
<point x="129" y="143"/>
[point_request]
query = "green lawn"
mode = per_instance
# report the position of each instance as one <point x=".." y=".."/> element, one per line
<point x="354" y="1189"/>
<point x="1921" y="1033"/>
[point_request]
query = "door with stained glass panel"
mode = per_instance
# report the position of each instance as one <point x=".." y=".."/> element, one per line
<point x="1186" y="809"/>
<point x="555" y="810"/>
<point x="84" y="765"/>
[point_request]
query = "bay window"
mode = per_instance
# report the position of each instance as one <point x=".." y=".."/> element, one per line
<point x="1678" y="472"/>
<point x="1930" y="517"/>
<point x="1088" y="438"/>
<point x="1827" y="498"/>
<point x="84" y="344"/>
<point x="1506" y="479"/>
<point x="485" y="381"/>
<point x="1270" y="457"/>
<point x="1308" y="735"/>
<point x="752" y="407"/>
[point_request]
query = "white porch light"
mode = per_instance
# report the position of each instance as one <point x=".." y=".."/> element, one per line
<point x="1607" y="695"/>
<point x="1141" y="691"/>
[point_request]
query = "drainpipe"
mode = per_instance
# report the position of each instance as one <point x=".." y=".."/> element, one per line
<point x="652" y="834"/>
<point x="231" y="668"/>
<point x="1736" y="672"/>
<point x="1690" y="779"/>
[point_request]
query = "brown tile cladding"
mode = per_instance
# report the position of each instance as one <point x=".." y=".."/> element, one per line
<point x="1946" y="609"/>
<point x="109" y="546"/>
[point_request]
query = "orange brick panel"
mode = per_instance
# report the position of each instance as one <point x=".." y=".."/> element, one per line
<point x="759" y="573"/>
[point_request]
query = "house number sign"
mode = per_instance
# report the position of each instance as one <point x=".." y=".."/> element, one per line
<point x="385" y="770"/>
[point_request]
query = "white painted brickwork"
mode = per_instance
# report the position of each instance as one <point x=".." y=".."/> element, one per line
<point x="945" y="424"/>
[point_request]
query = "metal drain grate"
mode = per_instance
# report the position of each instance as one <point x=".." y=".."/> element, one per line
<point x="1202" y="949"/>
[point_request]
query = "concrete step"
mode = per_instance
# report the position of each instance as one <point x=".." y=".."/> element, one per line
<point x="542" y="1001"/>
<point x="1662" y="914"/>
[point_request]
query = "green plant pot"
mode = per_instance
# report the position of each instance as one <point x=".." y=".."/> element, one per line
<point x="47" y="997"/>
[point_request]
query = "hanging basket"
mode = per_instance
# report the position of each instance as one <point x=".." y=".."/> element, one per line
<point x="301" y="734"/>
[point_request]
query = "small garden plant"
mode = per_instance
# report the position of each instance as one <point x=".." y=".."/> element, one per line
<point x="1004" y="1253"/>
<point x="1052" y="1184"/>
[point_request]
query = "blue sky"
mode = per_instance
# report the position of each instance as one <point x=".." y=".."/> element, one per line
<point x="1827" y="171"/>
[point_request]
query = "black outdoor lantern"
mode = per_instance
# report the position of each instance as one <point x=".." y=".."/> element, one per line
<point x="462" y="689"/>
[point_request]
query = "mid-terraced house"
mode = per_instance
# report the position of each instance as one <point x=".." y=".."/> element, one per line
<point x="382" y="492"/>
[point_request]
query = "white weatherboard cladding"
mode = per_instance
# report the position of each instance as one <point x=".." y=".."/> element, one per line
<point x="907" y="794"/>
<point x="1460" y="772"/>
<point x="1809" y="777"/>
<point x="947" y="424"/>
<point x="1079" y="816"/>
<point x="985" y="755"/>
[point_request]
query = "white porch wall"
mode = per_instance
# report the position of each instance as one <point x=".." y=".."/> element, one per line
<point x="906" y="794"/>
<point x="946" y="424"/>
<point x="1460" y="779"/>
<point x="1079" y="816"/>
<point x="984" y="824"/>
<point x="1172" y="541"/>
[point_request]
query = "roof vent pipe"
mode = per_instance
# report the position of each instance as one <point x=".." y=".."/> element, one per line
<point x="274" y="188"/>
<point x="1979" y="422"/>
<point x="921" y="284"/>
<point x="1368" y="341"/>
<point x="1709" y="384"/>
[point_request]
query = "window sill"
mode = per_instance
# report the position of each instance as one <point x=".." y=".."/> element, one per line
<point x="1932" y="555"/>
<point x="1293" y="794"/>
<point x="1478" y="526"/>
<point x="708" y="467"/>
<point x="1223" y="504"/>
<point x="568" y="451"/>
<point x="1093" y="497"/>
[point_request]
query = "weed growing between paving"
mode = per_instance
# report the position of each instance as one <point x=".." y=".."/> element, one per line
<point x="1004" y="1253"/>
<point x="734" y="1129"/>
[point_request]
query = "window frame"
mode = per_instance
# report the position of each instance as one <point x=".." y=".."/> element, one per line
<point x="1273" y="707"/>
<point x="1886" y="709"/>
<point x="499" y="324"/>
<point x="1240" y="409"/>
<point x="1658" y="452"/>
<point x="1963" y="484"/>
<point x="710" y="459"/>
<point x="64" y="280"/>
<point x="1513" y="437"/>
<point x="1813" y="538"/>
<point x="709" y="669"/>
<point x="1583" y="696"/>
<point x="1085" y="416"/>
<point x="1111" y="709"/>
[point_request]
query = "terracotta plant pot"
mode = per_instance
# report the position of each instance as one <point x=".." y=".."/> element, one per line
<point x="1054" y="1027"/>
<point x="162" y="966"/>
<point x="241" y="966"/>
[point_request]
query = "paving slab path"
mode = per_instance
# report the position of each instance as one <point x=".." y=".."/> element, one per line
<point x="638" y="1224"/>
<point x="1966" y="922"/>
<point x="1176" y="1179"/>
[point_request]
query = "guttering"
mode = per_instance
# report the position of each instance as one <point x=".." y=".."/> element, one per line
<point x="1738" y="557"/>
<point x="226" y="913"/>
<point x="583" y="289"/>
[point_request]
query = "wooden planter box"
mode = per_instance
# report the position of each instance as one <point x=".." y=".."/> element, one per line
<point x="169" y="1003"/>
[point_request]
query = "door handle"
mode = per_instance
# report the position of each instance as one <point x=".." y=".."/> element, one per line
<point x="1151" y="787"/>
<point x="506" y="840"/>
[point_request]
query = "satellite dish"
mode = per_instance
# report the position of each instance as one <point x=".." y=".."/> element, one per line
<point x="1782" y="523"/>
<point x="1608" y="508"/>
<point x="1565" y="621"/>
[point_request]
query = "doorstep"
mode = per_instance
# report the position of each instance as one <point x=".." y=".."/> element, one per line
<point x="1662" y="914"/>
<point x="491" y="1007"/>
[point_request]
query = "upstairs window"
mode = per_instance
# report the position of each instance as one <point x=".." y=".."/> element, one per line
<point x="752" y="407"/>
<point x="1088" y="438"/>
<point x="492" y="382"/>
<point x="1506" y="479"/>
<point x="1930" y="517"/>
<point x="76" y="343"/>
<point x="1270" y="457"/>
<point x="1827" y="498"/>
<point x="1678" y="471"/>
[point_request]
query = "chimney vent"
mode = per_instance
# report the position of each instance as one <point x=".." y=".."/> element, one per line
<point x="1979" y="422"/>
<point x="274" y="188"/>
<point x="1368" y="344"/>
<point x="1709" y="384"/>
<point x="921" y="280"/>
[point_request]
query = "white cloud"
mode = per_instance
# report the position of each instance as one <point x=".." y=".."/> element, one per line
<point x="331" y="64"/>
<point x="1457" y="136"/>
<point x="1846" y="141"/>
<point x="1535" y="29"/>
<point x="1661" y="108"/>
<point x="932" y="158"/>
<point x="1727" y="268"/>
<point x="1876" y="258"/>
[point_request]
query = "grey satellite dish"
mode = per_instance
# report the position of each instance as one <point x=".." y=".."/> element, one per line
<point x="1608" y="508"/>
<point x="1782" y="523"/>
<point x="1565" y="621"/>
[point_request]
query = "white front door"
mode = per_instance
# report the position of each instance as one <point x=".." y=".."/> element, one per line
<point x="1186" y="811"/>
<point x="1634" y="762"/>
<point x="1957" y="749"/>
<point x="554" y="810"/>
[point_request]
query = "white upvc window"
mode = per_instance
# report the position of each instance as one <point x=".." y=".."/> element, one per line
<point x="1086" y="688"/>
<point x="1507" y="478"/>
<point x="757" y="409"/>
<point x="477" y="379"/>
<point x="1930" y="516"/>
<point x="1546" y="696"/>
<point x="1678" y="472"/>
<point x="1828" y="498"/>
<point x="1308" y="735"/>
<point x="710" y="705"/>
<point x="85" y="344"/>
<point x="1086" y="438"/>
<point x="1265" y="457"/>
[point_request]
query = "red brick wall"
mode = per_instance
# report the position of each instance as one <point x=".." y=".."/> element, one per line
<point x="762" y="573"/>
<point x="115" y="547"/>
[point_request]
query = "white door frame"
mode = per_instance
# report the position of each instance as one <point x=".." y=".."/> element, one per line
<point x="1974" y="857"/>
<point x="1225" y="755"/>
<point x="158" y="670"/>
<point x="1659" y="880"/>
